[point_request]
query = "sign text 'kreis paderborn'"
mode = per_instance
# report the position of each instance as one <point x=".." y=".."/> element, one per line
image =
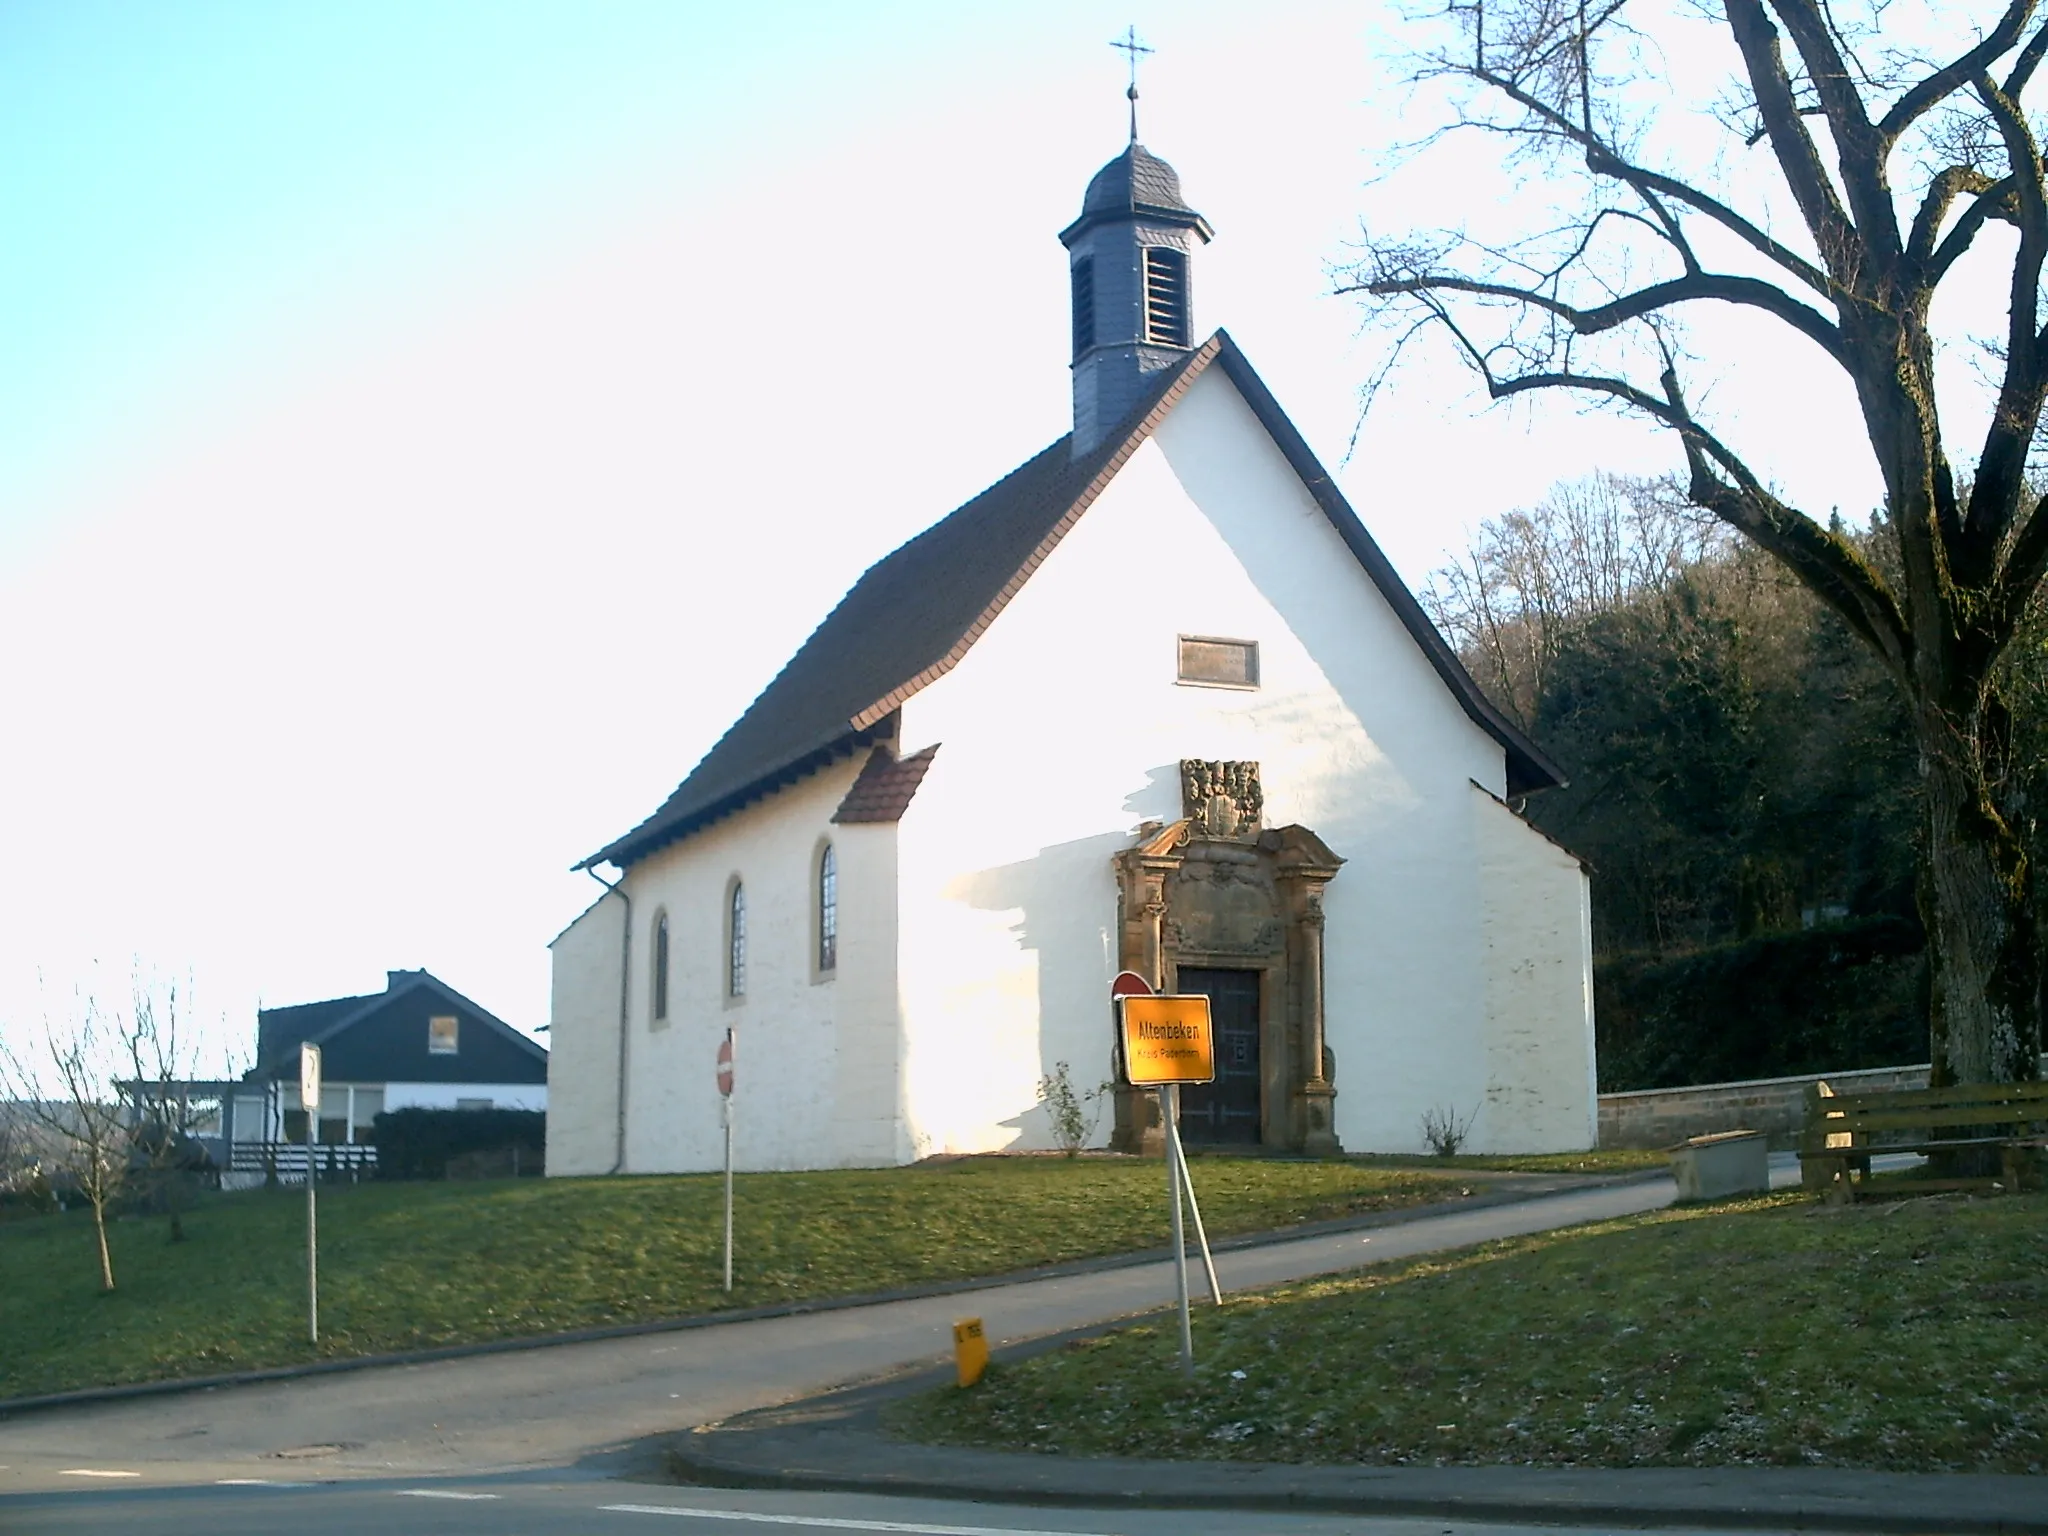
<point x="1167" y="1040"/>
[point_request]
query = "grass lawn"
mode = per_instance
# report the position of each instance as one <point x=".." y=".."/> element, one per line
<point x="1909" y="1336"/>
<point x="406" y="1266"/>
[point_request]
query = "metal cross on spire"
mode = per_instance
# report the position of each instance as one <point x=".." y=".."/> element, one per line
<point x="1132" y="48"/>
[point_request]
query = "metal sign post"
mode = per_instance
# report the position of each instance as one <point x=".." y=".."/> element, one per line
<point x="725" y="1093"/>
<point x="1187" y="1181"/>
<point x="1169" y="1113"/>
<point x="1166" y="1041"/>
<point x="309" y="1100"/>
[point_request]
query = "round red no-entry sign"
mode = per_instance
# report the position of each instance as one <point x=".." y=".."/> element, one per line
<point x="1130" y="984"/>
<point x="725" y="1065"/>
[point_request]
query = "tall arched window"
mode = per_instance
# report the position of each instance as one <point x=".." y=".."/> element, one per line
<point x="828" y="910"/>
<point x="736" y="950"/>
<point x="660" y="987"/>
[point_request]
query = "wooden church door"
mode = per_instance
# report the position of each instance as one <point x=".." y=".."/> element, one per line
<point x="1227" y="1110"/>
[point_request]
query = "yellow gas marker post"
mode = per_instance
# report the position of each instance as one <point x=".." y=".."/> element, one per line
<point x="970" y="1350"/>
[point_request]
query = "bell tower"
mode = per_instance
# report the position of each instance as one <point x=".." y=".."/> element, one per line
<point x="1129" y="257"/>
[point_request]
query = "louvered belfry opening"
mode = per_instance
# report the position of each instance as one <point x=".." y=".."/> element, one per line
<point x="1084" y="304"/>
<point x="1128" y="259"/>
<point x="1166" y="296"/>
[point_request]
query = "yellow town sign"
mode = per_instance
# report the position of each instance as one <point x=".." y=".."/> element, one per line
<point x="1167" y="1040"/>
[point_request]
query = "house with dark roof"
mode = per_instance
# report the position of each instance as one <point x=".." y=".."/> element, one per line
<point x="1155" y="701"/>
<point x="418" y="1044"/>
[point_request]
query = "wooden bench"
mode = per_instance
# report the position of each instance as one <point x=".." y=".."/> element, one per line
<point x="1844" y="1131"/>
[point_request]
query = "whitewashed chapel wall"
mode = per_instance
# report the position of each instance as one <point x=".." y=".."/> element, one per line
<point x="816" y="1053"/>
<point x="583" y="1041"/>
<point x="1537" y="931"/>
<point x="1062" y="731"/>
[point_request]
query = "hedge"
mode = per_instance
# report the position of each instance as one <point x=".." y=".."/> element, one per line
<point x="421" y="1143"/>
<point x="1828" y="999"/>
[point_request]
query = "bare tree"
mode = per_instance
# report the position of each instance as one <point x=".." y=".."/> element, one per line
<point x="1587" y="548"/>
<point x="167" y="1104"/>
<point x="68" y="1094"/>
<point x="1851" y="174"/>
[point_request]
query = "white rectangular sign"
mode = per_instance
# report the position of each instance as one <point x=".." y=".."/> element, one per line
<point x="309" y="1079"/>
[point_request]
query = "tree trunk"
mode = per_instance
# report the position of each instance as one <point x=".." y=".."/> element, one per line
<point x="1976" y="900"/>
<point x="99" y="1226"/>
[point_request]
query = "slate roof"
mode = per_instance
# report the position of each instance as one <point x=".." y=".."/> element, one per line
<point x="916" y="611"/>
<point x="1136" y="182"/>
<point x="281" y="1031"/>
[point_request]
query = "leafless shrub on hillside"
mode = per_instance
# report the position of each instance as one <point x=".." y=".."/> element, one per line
<point x="67" y="1094"/>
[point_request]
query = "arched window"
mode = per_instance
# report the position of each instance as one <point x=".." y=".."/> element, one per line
<point x="828" y="910"/>
<point x="736" y="949"/>
<point x="660" y="987"/>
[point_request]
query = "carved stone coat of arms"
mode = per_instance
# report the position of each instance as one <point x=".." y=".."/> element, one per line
<point x="1221" y="799"/>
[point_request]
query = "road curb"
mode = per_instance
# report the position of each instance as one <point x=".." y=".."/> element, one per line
<point x="835" y="1443"/>
<point x="1552" y="1185"/>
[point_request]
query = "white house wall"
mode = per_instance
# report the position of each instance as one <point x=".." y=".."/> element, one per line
<point x="583" y="1040"/>
<point x="1062" y="730"/>
<point x="815" y="1068"/>
<point x="1538" y="935"/>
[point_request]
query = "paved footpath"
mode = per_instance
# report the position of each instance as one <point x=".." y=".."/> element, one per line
<point x="612" y="1406"/>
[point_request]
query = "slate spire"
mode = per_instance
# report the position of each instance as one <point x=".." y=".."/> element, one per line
<point x="1128" y="259"/>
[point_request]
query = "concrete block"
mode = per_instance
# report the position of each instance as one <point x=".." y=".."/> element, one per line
<point x="1726" y="1163"/>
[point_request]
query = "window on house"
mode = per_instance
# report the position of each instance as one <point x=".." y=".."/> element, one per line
<point x="472" y="1103"/>
<point x="660" y="967"/>
<point x="368" y="1104"/>
<point x="736" y="949"/>
<point x="1084" y="304"/>
<point x="828" y="910"/>
<point x="1166" y="296"/>
<point x="249" y="1119"/>
<point x="334" y="1121"/>
<point x="441" y="1035"/>
<point x="1219" y="663"/>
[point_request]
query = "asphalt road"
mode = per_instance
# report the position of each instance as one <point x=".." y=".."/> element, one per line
<point x="613" y="1509"/>
<point x="554" y="1426"/>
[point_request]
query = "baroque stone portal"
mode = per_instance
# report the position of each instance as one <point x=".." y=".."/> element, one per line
<point x="1216" y="889"/>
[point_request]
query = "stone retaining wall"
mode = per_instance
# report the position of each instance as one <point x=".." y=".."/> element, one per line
<point x="1658" y="1117"/>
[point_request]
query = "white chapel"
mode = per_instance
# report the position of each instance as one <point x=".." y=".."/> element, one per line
<point x="1153" y="701"/>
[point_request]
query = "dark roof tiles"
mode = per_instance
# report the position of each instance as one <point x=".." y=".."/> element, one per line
<point x="885" y="788"/>
<point x="905" y="622"/>
<point x="916" y="611"/>
<point x="279" y="1030"/>
<point x="1137" y="182"/>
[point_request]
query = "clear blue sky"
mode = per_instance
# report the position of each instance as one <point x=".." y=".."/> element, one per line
<point x="424" y="426"/>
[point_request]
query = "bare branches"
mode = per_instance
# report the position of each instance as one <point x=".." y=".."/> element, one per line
<point x="2001" y="465"/>
<point x="68" y="1094"/>
<point x="1534" y="576"/>
<point x="1958" y="74"/>
<point x="1805" y="177"/>
<point x="1722" y="287"/>
<point x="1947" y="186"/>
<point x="1656" y="189"/>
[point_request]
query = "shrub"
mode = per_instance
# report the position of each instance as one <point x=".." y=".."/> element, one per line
<point x="1445" y="1129"/>
<point x="1073" y="1114"/>
<point x="1828" y="999"/>
<point x="421" y="1143"/>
